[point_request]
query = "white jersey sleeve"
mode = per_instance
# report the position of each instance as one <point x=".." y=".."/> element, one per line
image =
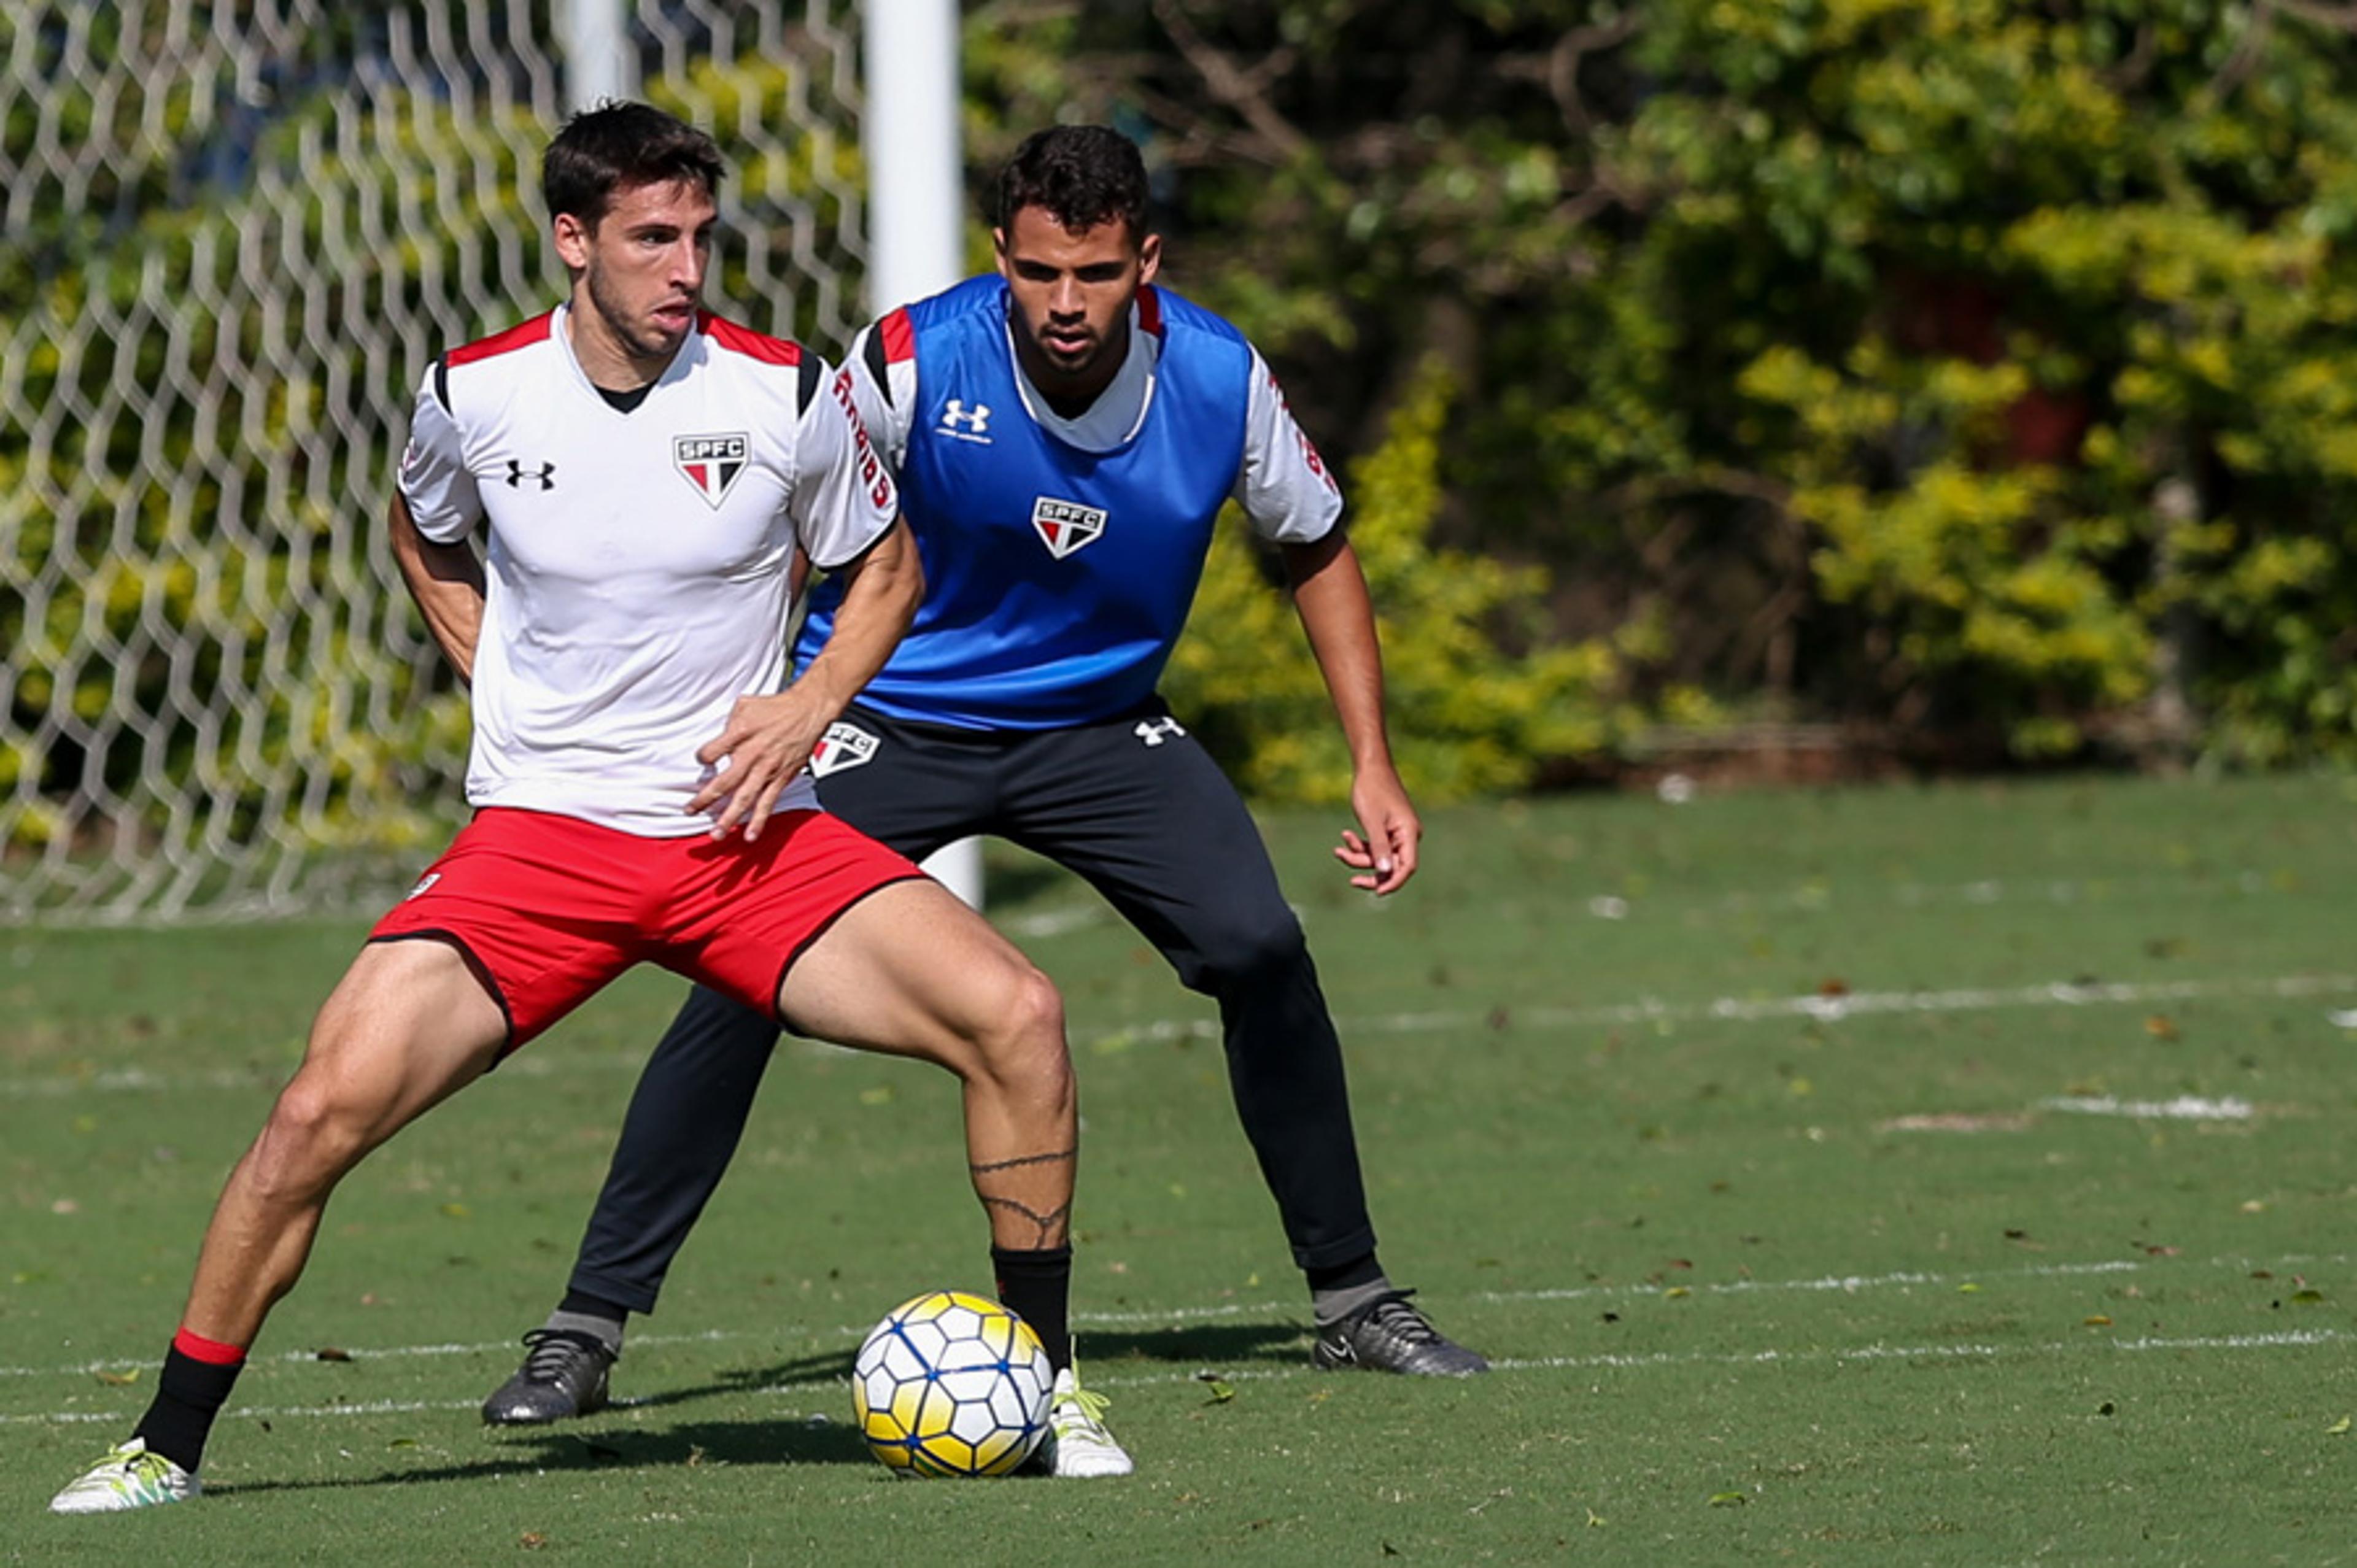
<point x="885" y="392"/>
<point x="843" y="497"/>
<point x="1284" y="486"/>
<point x="434" y="479"/>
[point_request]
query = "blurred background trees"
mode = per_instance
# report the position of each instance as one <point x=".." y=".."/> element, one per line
<point x="1976" y="378"/>
<point x="1939" y="383"/>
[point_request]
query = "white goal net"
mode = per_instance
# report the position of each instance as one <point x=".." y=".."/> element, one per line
<point x="235" y="235"/>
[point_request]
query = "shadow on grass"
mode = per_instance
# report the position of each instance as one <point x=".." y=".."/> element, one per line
<point x="790" y="1441"/>
<point x="1227" y="1347"/>
<point x="612" y="1441"/>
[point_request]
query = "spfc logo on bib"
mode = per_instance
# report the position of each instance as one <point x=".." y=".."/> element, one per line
<point x="843" y="745"/>
<point x="1065" y="526"/>
<point x="712" y="463"/>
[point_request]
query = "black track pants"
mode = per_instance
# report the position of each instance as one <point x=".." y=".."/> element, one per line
<point x="1140" y="810"/>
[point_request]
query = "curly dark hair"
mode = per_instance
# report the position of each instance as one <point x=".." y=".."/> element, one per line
<point x="1082" y="174"/>
<point x="618" y="145"/>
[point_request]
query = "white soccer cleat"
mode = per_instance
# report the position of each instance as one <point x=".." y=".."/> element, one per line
<point x="1078" y="1443"/>
<point x="128" y="1478"/>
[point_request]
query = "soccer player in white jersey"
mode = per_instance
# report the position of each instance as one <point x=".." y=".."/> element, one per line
<point x="647" y="473"/>
<point x="1065" y="433"/>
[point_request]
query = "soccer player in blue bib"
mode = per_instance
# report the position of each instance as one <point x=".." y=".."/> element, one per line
<point x="1065" y="433"/>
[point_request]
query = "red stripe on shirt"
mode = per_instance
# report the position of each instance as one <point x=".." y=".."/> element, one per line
<point x="744" y="340"/>
<point x="1149" y="310"/>
<point x="523" y="334"/>
<point x="900" y="335"/>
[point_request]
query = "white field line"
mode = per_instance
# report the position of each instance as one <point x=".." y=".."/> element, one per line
<point x="1848" y="1285"/>
<point x="1056" y="922"/>
<point x="1813" y="897"/>
<point x="1833" y="1009"/>
<point x="2290" y="1340"/>
<point x="1807" y="898"/>
<point x="1265" y="1310"/>
<point x="1281" y="1312"/>
<point x="2184" y="1108"/>
<point x="2299" y="1338"/>
<point x="1828" y="1009"/>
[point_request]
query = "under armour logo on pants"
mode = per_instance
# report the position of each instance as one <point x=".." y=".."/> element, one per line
<point x="1154" y="732"/>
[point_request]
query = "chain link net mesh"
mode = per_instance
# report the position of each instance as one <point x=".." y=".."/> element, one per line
<point x="235" y="236"/>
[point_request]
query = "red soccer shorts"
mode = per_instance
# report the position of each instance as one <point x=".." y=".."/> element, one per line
<point x="549" y="910"/>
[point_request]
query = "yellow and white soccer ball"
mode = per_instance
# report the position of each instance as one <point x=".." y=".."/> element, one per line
<point x="952" y="1384"/>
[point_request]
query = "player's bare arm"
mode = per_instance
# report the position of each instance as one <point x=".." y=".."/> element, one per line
<point x="771" y="736"/>
<point x="1329" y="592"/>
<point x="447" y="581"/>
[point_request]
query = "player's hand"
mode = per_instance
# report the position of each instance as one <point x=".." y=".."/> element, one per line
<point x="767" y="740"/>
<point x="1382" y="850"/>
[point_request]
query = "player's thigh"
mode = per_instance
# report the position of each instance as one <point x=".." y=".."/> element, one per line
<point x="911" y="971"/>
<point x="1157" y="827"/>
<point x="409" y="1023"/>
<point x="908" y="789"/>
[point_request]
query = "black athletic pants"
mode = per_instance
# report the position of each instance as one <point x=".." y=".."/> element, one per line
<point x="1139" y="810"/>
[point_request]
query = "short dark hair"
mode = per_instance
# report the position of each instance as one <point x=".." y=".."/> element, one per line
<point x="1083" y="175"/>
<point x="618" y="145"/>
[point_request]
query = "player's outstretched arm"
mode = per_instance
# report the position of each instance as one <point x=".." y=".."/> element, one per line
<point x="769" y="737"/>
<point x="1330" y="593"/>
<point x="447" y="581"/>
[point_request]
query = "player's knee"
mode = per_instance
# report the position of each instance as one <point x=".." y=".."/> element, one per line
<point x="1023" y="1047"/>
<point x="311" y="1138"/>
<point x="1035" y="1018"/>
<point x="1253" y="952"/>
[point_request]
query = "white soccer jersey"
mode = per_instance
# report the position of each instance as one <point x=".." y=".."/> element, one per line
<point x="1284" y="486"/>
<point x="637" y="562"/>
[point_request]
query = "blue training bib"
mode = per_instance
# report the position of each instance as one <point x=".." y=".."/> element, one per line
<point x="1057" y="580"/>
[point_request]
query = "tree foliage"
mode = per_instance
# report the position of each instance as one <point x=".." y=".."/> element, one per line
<point x="1468" y="716"/>
<point x="1982" y="372"/>
<point x="1978" y="370"/>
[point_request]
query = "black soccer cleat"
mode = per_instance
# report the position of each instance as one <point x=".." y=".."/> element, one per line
<point x="1390" y="1335"/>
<point x="563" y="1376"/>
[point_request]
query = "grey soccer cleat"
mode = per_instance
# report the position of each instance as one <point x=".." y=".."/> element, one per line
<point x="563" y="1376"/>
<point x="1390" y="1335"/>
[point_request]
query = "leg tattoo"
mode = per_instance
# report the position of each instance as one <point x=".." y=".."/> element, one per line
<point x="1049" y="1224"/>
<point x="995" y="1165"/>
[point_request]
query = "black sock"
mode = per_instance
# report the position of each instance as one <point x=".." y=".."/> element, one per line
<point x="580" y="1303"/>
<point x="1037" y="1286"/>
<point x="188" y="1396"/>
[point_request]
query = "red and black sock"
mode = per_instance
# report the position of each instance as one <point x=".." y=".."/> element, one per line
<point x="1037" y="1286"/>
<point x="198" y="1376"/>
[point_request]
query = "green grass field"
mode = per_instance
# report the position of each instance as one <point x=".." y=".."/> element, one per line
<point x="1941" y="1174"/>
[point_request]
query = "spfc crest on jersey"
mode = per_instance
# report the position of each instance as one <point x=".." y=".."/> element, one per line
<point x="1066" y="526"/>
<point x="843" y="745"/>
<point x="712" y="463"/>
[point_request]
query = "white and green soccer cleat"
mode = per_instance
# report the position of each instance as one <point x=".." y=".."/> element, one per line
<point x="1078" y="1445"/>
<point x="128" y="1478"/>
